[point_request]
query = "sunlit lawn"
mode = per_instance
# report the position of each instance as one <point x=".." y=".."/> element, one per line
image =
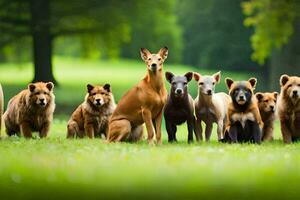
<point x="91" y="169"/>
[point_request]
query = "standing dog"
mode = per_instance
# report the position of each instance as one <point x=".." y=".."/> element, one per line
<point x="289" y="108"/>
<point x="179" y="107"/>
<point x="210" y="107"/>
<point x="244" y="123"/>
<point x="31" y="110"/>
<point x="267" y="107"/>
<point x="91" y="117"/>
<point x="142" y="104"/>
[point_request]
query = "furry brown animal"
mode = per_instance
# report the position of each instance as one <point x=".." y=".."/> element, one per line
<point x="244" y="123"/>
<point x="31" y="110"/>
<point x="289" y="108"/>
<point x="91" y="117"/>
<point x="142" y="104"/>
<point x="267" y="107"/>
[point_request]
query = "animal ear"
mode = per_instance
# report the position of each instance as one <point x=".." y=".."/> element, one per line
<point x="229" y="82"/>
<point x="196" y="76"/>
<point x="89" y="87"/>
<point x="107" y="87"/>
<point x="275" y="94"/>
<point x="163" y="52"/>
<point x="31" y="87"/>
<point x="253" y="82"/>
<point x="259" y="96"/>
<point x="169" y="76"/>
<point x="50" y="86"/>
<point x="145" y="53"/>
<point x="189" y="76"/>
<point x="217" y="76"/>
<point x="284" y="79"/>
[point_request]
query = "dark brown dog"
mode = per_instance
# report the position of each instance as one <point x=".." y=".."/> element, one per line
<point x="91" y="117"/>
<point x="289" y="108"/>
<point x="142" y="104"/>
<point x="180" y="106"/>
<point x="267" y="108"/>
<point x="244" y="123"/>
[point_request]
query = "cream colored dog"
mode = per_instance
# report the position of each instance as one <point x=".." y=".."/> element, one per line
<point x="210" y="107"/>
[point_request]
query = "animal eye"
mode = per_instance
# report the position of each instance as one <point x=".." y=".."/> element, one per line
<point x="45" y="92"/>
<point x="174" y="83"/>
<point x="201" y="83"/>
<point x="102" y="93"/>
<point x="290" y="85"/>
<point x="94" y="93"/>
<point x="37" y="93"/>
<point x="299" y="85"/>
<point x="159" y="59"/>
<point x="185" y="83"/>
<point x="149" y="59"/>
<point x="266" y="101"/>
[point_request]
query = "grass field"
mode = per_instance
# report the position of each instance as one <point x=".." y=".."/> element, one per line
<point x="56" y="168"/>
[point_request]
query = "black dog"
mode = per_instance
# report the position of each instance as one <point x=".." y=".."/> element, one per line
<point x="179" y="107"/>
<point x="244" y="120"/>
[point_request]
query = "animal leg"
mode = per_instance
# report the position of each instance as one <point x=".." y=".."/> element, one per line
<point x="171" y="130"/>
<point x="233" y="132"/>
<point x="286" y="134"/>
<point x="268" y="132"/>
<point x="25" y="130"/>
<point x="136" y="134"/>
<point x="198" y="130"/>
<point x="73" y="130"/>
<point x="44" y="131"/>
<point x="190" y="125"/>
<point x="208" y="130"/>
<point x="220" y="129"/>
<point x="118" y="130"/>
<point x="89" y="130"/>
<point x="157" y="127"/>
<point x="147" y="117"/>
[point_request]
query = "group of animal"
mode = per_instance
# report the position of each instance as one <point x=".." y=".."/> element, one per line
<point x="241" y="116"/>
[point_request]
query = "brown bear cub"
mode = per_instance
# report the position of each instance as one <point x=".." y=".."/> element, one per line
<point x="91" y="117"/>
<point x="31" y="110"/>
<point x="267" y="108"/>
<point x="244" y="123"/>
<point x="289" y="108"/>
<point x="180" y="106"/>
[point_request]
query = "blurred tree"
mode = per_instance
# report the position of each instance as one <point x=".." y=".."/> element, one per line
<point x="107" y="22"/>
<point x="276" y="35"/>
<point x="155" y="29"/>
<point x="214" y="35"/>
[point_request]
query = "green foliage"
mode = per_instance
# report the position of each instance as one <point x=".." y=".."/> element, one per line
<point x="214" y="35"/>
<point x="273" y="22"/>
<point x="154" y="25"/>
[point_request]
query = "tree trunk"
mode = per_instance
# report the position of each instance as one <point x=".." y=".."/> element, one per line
<point x="42" y="40"/>
<point x="286" y="60"/>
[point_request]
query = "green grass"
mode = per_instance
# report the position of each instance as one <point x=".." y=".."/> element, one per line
<point x="57" y="168"/>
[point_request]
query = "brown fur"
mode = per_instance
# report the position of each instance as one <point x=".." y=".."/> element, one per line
<point x="289" y="108"/>
<point x="91" y="119"/>
<point x="1" y="107"/>
<point x="26" y="111"/>
<point x="267" y="107"/>
<point x="251" y="110"/>
<point x="142" y="104"/>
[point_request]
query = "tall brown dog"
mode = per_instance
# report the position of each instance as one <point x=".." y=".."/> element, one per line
<point x="142" y="104"/>
<point x="31" y="110"/>
<point x="289" y="108"/>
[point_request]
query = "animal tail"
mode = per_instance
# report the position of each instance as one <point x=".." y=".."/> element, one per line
<point x="1" y="106"/>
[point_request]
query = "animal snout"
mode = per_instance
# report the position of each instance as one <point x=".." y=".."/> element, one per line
<point x="42" y="100"/>
<point x="272" y="108"/>
<point x="153" y="66"/>
<point x="295" y="93"/>
<point x="241" y="98"/>
<point x="178" y="91"/>
<point x="98" y="101"/>
<point x="209" y="92"/>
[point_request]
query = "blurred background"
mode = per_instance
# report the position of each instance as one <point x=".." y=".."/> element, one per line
<point x="76" y="42"/>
